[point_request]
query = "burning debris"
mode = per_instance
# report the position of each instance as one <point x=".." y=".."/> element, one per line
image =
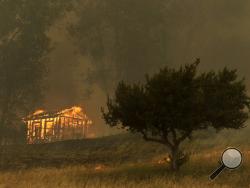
<point x="100" y="167"/>
<point x="43" y="126"/>
<point x="165" y="160"/>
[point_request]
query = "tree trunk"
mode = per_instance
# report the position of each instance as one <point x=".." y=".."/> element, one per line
<point x="174" y="157"/>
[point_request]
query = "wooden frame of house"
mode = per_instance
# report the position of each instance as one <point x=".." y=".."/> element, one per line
<point x="43" y="127"/>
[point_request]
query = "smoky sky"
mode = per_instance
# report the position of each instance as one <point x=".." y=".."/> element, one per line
<point x="217" y="32"/>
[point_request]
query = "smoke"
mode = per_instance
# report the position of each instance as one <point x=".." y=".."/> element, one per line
<point x="215" y="31"/>
<point x="92" y="61"/>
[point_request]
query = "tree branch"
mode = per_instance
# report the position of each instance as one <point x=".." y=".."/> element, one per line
<point x="183" y="137"/>
<point x="145" y="137"/>
<point x="165" y="137"/>
<point x="174" y="135"/>
<point x="163" y="141"/>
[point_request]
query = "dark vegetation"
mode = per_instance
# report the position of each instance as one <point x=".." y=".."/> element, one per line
<point x="23" y="46"/>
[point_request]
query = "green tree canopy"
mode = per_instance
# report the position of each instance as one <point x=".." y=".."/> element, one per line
<point x="172" y="104"/>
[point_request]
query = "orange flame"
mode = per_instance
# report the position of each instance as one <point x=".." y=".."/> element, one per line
<point x="37" y="112"/>
<point x="44" y="125"/>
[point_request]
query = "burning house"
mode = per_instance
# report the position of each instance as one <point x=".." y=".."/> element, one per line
<point x="43" y="127"/>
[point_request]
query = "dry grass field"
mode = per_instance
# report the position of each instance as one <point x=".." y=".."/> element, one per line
<point x="129" y="166"/>
<point x="193" y="175"/>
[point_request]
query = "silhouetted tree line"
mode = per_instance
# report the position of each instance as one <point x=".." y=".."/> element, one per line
<point x="23" y="45"/>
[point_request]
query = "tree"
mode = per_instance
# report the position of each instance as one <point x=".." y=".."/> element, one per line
<point x="23" y="46"/>
<point x="172" y="104"/>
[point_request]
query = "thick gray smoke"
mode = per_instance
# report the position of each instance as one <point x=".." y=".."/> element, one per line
<point x="138" y="37"/>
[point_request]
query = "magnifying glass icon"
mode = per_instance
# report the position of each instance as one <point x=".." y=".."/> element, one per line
<point x="231" y="159"/>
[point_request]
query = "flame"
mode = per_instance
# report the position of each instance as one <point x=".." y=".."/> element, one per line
<point x="100" y="167"/>
<point x="37" y="112"/>
<point x="164" y="160"/>
<point x="42" y="124"/>
<point x="73" y="111"/>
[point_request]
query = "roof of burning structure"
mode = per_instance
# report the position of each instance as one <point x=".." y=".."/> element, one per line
<point x="75" y="111"/>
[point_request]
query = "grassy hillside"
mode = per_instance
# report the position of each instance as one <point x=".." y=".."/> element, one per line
<point x="124" y="161"/>
<point x="114" y="150"/>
